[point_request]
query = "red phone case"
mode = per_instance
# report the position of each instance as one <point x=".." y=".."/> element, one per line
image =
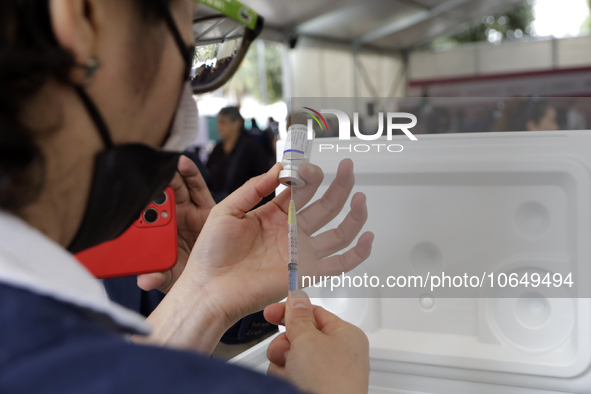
<point x="144" y="247"/>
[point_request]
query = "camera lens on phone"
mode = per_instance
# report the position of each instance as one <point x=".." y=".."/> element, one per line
<point x="161" y="199"/>
<point x="150" y="215"/>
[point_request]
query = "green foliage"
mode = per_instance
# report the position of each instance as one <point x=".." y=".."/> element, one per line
<point x="273" y="62"/>
<point x="473" y="33"/>
<point x="518" y="18"/>
<point x="246" y="81"/>
<point x="205" y="53"/>
<point x="586" y="26"/>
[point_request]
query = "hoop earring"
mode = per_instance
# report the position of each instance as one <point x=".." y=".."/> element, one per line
<point x="91" y="67"/>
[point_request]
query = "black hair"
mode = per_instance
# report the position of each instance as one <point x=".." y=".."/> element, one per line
<point x="535" y="110"/>
<point x="519" y="111"/>
<point x="30" y="57"/>
<point x="232" y="113"/>
<point x="530" y="109"/>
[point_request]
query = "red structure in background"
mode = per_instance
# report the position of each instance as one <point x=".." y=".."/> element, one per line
<point x="573" y="82"/>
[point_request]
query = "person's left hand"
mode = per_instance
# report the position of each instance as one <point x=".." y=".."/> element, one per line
<point x="239" y="261"/>
<point x="193" y="204"/>
<point x="318" y="352"/>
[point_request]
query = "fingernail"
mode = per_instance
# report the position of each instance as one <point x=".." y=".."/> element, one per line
<point x="282" y="322"/>
<point x="285" y="354"/>
<point x="299" y="299"/>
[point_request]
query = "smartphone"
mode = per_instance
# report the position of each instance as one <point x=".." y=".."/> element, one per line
<point x="149" y="245"/>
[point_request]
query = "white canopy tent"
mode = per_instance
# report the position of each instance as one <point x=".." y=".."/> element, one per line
<point x="388" y="25"/>
<point x="361" y="47"/>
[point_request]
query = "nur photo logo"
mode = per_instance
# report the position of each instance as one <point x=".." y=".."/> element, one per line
<point x="344" y="130"/>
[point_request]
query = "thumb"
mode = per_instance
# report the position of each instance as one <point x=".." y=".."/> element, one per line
<point x="299" y="315"/>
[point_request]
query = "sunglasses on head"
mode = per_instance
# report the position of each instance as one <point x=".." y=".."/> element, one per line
<point x="223" y="31"/>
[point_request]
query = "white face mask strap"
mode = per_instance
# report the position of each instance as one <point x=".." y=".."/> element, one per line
<point x="184" y="127"/>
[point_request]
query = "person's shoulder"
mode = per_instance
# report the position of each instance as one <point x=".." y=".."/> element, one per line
<point x="53" y="347"/>
<point x="91" y="364"/>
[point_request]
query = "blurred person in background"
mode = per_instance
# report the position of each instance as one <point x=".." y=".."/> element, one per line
<point x="265" y="138"/>
<point x="480" y="121"/>
<point x="575" y="117"/>
<point x="272" y="133"/>
<point x="236" y="158"/>
<point x="527" y="114"/>
<point x="506" y="119"/>
<point x="539" y="115"/>
<point x="254" y="127"/>
<point x="439" y="121"/>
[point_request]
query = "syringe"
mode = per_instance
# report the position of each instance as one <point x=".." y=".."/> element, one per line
<point x="292" y="248"/>
<point x="297" y="150"/>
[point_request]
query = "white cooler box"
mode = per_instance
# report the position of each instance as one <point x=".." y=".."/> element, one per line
<point x="509" y="200"/>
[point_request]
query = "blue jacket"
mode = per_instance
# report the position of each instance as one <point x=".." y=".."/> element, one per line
<point x="49" y="346"/>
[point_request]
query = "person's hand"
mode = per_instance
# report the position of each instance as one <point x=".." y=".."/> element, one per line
<point x="239" y="262"/>
<point x="318" y="352"/>
<point x="240" y="257"/>
<point x="193" y="204"/>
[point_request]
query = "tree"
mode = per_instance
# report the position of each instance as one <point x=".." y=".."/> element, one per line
<point x="512" y="24"/>
<point x="246" y="80"/>
<point x="586" y="26"/>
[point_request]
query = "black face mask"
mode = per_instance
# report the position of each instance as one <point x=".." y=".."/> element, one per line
<point x="126" y="177"/>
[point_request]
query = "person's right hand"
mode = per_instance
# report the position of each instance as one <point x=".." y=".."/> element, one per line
<point x="319" y="352"/>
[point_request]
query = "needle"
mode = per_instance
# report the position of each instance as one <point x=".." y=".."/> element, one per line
<point x="292" y="234"/>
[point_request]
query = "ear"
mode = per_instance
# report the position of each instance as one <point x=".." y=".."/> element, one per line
<point x="73" y="27"/>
